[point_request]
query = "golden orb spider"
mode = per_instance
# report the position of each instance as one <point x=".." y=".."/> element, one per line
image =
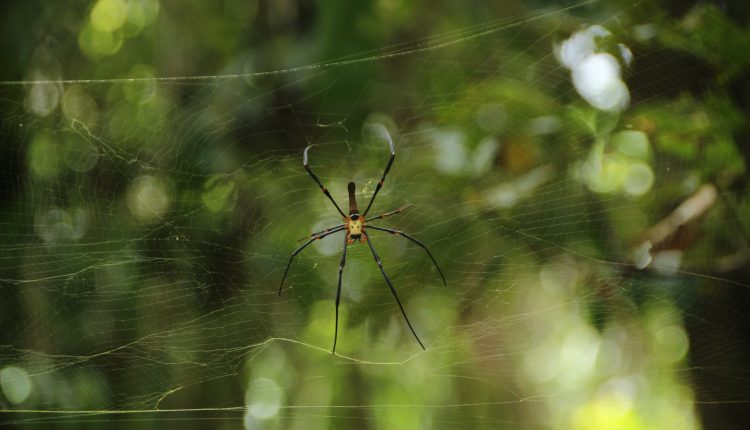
<point x="355" y="225"/>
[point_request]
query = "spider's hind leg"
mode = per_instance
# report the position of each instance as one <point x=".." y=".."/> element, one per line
<point x="393" y="290"/>
<point x="420" y="244"/>
<point x="338" y="293"/>
<point x="298" y="250"/>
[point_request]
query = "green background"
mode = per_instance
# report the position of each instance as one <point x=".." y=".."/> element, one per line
<point x="152" y="190"/>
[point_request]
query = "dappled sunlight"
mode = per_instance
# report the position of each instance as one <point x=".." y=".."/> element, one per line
<point x="16" y="384"/>
<point x="148" y="198"/>
<point x="191" y="237"/>
<point x="595" y="74"/>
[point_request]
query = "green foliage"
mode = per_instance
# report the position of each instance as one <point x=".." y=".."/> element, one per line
<point x="155" y="190"/>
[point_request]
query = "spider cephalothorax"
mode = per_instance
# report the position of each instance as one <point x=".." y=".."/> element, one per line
<point x="355" y="228"/>
<point x="354" y="225"/>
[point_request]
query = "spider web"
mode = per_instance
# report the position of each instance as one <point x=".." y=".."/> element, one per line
<point x="596" y="259"/>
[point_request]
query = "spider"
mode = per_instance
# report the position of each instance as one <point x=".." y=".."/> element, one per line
<point x="356" y="225"/>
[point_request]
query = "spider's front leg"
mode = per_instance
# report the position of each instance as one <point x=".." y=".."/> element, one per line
<point x="318" y="233"/>
<point x="320" y="184"/>
<point x="387" y="136"/>
<point x="387" y="214"/>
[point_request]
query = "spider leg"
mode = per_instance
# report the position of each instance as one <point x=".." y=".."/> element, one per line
<point x="315" y="178"/>
<point x="387" y="214"/>
<point x="298" y="250"/>
<point x="393" y="290"/>
<point x="320" y="232"/>
<point x="338" y="294"/>
<point x="401" y="233"/>
<point x="385" y="172"/>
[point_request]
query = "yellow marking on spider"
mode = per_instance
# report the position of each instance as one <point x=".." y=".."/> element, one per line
<point x="355" y="227"/>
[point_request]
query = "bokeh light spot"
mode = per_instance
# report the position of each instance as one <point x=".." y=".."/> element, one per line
<point x="44" y="156"/>
<point x="148" y="198"/>
<point x="578" y="355"/>
<point x="606" y="414"/>
<point x="639" y="178"/>
<point x="16" y="384"/>
<point x="575" y="49"/>
<point x="96" y="44"/>
<point x="80" y="156"/>
<point x="263" y="398"/>
<point x="53" y="226"/>
<point x="484" y="155"/>
<point x="142" y="91"/>
<point x="633" y="144"/>
<point x="451" y="151"/>
<point x="108" y="15"/>
<point x="606" y="177"/>
<point x="492" y="118"/>
<point x="673" y="342"/>
<point x="597" y="79"/>
<point x="595" y="74"/>
<point x="141" y="13"/>
<point x="79" y="106"/>
<point x="42" y="98"/>
<point x="219" y="193"/>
